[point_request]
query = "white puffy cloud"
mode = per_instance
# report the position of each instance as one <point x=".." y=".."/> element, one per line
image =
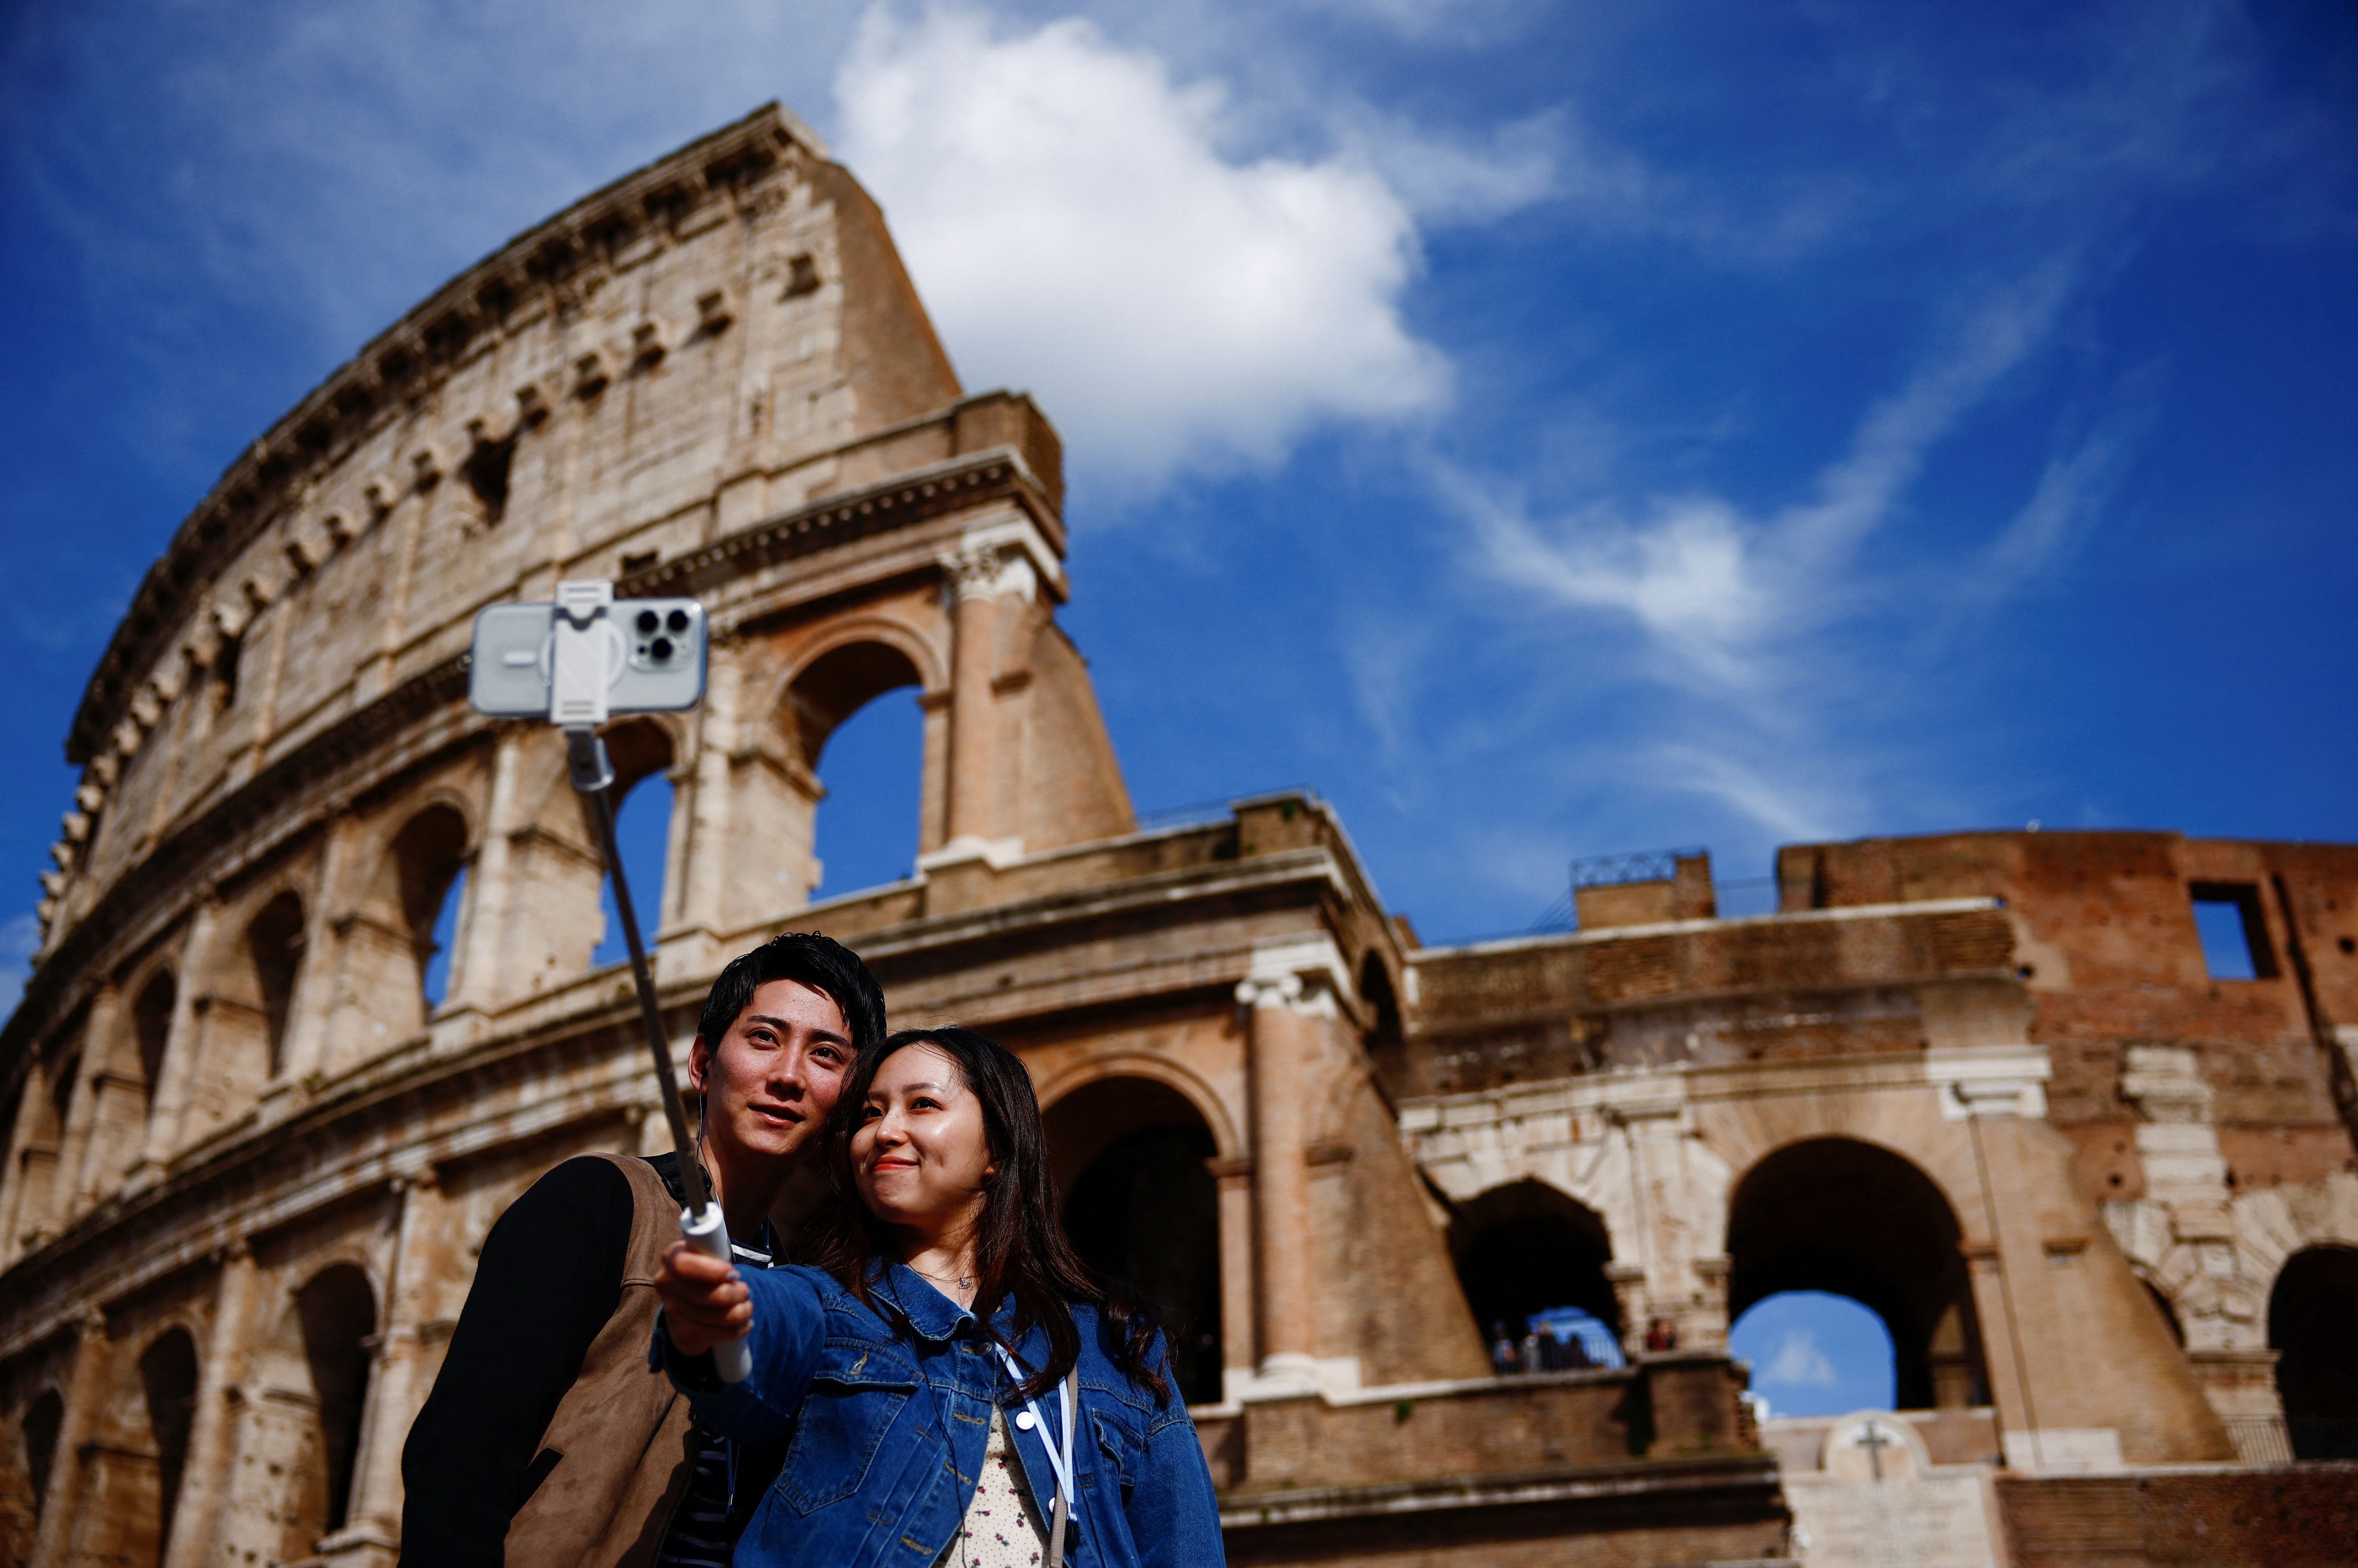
<point x="1077" y="227"/>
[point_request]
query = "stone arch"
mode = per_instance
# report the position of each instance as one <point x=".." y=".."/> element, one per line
<point x="35" y="1443"/>
<point x="1132" y="1157"/>
<point x="299" y="1427"/>
<point x="248" y="1038"/>
<point x="1854" y="1218"/>
<point x="1226" y="1140"/>
<point x="153" y="1000"/>
<point x="420" y="869"/>
<point x="2312" y="1307"/>
<point x="1527" y="1246"/>
<point x="36" y="1187"/>
<point x="793" y="690"/>
<point x="133" y="1484"/>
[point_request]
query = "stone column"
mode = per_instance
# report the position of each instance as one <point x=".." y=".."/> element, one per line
<point x="109" y="1140"/>
<point x="695" y="896"/>
<point x="82" y="1112"/>
<point x="85" y="1402"/>
<point x="314" y="1002"/>
<point x="974" y="751"/>
<point x="1238" y="1290"/>
<point x="1286" y="1034"/>
<point x="17" y="1176"/>
<point x="474" y="967"/>
<point x="164" y="1117"/>
<point x="205" y="1476"/>
<point x="373" y="1530"/>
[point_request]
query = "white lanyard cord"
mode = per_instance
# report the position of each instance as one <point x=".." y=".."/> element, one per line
<point x="1062" y="1465"/>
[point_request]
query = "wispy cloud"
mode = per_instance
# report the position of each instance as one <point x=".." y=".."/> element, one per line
<point x="1730" y="595"/>
<point x="1799" y="1364"/>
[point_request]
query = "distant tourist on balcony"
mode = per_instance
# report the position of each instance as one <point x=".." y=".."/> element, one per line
<point x="1661" y="1334"/>
<point x="1505" y="1359"/>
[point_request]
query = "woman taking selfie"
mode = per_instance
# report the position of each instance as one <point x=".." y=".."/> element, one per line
<point x="960" y="1389"/>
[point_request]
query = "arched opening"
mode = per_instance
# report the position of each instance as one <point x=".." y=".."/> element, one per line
<point x="869" y="757"/>
<point x="298" y="1424"/>
<point x="274" y="945"/>
<point x="339" y="1316"/>
<point x="41" y="1186"/>
<point x="1142" y="1205"/>
<point x="429" y="859"/>
<point x="643" y="793"/>
<point x="1531" y="1261"/>
<point x="1846" y="1219"/>
<point x="167" y="1383"/>
<point x="43" y="1418"/>
<point x="151" y="1029"/>
<point x="2312" y="1313"/>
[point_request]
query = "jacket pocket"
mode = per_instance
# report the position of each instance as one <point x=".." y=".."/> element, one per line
<point x="853" y="1399"/>
<point x="1120" y="1449"/>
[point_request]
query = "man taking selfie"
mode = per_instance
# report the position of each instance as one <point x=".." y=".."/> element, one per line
<point x="547" y="1440"/>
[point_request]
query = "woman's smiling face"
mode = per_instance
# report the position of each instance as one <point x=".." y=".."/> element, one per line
<point x="923" y="1153"/>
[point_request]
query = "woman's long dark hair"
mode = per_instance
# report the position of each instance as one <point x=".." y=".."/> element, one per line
<point x="1020" y="1246"/>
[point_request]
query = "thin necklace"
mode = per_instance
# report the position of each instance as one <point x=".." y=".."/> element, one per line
<point x="963" y="1281"/>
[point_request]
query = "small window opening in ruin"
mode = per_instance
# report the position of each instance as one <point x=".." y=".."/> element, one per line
<point x="2234" y="932"/>
<point x="225" y="672"/>
<point x="803" y="276"/>
<point x="643" y="829"/>
<point x="639" y="560"/>
<point x="486" y="469"/>
<point x="39" y="1429"/>
<point x="151" y="1027"/>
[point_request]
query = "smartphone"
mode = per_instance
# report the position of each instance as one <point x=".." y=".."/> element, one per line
<point x="656" y="652"/>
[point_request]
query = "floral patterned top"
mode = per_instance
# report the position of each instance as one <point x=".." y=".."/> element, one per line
<point x="1001" y="1528"/>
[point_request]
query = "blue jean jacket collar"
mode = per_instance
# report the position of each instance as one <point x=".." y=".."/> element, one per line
<point x="911" y="1297"/>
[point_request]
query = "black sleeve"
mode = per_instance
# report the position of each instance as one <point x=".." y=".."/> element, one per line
<point x="550" y="1277"/>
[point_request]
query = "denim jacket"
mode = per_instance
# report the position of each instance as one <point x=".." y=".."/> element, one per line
<point x="889" y="1408"/>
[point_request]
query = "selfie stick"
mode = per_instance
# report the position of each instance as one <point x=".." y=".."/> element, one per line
<point x="578" y="679"/>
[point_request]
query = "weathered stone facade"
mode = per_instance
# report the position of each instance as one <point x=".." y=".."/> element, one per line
<point x="1982" y="1083"/>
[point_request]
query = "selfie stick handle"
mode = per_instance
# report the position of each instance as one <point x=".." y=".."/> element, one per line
<point x="701" y="1221"/>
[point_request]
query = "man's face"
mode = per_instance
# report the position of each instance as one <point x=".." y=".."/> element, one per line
<point x="775" y="1076"/>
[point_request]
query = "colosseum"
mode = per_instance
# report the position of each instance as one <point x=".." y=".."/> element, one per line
<point x="2099" y="1185"/>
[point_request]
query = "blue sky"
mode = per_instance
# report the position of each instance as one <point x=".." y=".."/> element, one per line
<point x="1545" y="430"/>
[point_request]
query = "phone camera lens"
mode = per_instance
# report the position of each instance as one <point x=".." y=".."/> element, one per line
<point x="677" y="621"/>
<point x="649" y="621"/>
<point x="661" y="649"/>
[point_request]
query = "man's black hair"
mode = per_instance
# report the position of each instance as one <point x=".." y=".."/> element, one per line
<point x="817" y="961"/>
